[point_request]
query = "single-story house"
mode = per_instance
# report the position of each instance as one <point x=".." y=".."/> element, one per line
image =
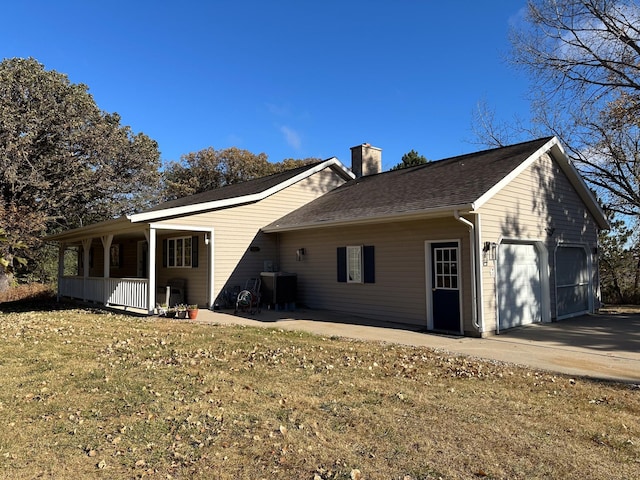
<point x="469" y="245"/>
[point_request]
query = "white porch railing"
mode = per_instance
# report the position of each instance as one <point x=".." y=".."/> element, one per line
<point x="126" y="292"/>
<point x="71" y="287"/>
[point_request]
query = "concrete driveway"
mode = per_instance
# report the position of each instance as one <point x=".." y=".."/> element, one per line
<point x="602" y="346"/>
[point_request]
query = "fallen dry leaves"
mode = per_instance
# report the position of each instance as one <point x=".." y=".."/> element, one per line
<point x="91" y="394"/>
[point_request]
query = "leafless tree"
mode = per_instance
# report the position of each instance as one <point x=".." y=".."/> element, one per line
<point x="583" y="58"/>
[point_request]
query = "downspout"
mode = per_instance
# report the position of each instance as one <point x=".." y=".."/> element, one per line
<point x="474" y="276"/>
<point x="211" y="275"/>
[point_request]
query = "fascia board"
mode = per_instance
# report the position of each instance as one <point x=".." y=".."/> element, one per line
<point x="514" y="173"/>
<point x="191" y="209"/>
<point x="119" y="224"/>
<point x="580" y="185"/>
<point x="421" y="215"/>
<point x="559" y="155"/>
<point x="185" y="227"/>
<point x="339" y="168"/>
<point x="334" y="163"/>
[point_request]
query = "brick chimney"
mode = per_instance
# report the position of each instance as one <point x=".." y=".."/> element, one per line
<point x="366" y="160"/>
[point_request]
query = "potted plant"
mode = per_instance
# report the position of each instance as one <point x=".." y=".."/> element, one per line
<point x="161" y="308"/>
<point x="170" y="312"/>
<point x="192" y="311"/>
<point x="181" y="311"/>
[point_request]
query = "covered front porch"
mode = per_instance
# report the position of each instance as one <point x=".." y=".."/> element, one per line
<point x="136" y="267"/>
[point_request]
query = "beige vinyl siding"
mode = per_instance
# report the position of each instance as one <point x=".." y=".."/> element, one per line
<point x="236" y="229"/>
<point x="399" y="292"/>
<point x="540" y="204"/>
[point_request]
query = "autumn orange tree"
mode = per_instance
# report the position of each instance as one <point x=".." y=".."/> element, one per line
<point x="209" y="169"/>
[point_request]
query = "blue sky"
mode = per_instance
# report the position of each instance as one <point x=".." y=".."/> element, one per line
<point x="292" y="79"/>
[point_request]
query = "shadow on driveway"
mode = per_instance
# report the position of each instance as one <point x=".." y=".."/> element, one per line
<point x="604" y="333"/>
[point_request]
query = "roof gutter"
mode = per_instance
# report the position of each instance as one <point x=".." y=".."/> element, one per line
<point x="94" y="229"/>
<point x="474" y="277"/>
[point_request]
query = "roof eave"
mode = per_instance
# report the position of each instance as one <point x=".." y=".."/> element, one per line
<point x="94" y="230"/>
<point x="558" y="153"/>
<point x="514" y="173"/>
<point x="585" y="193"/>
<point x="332" y="163"/>
<point x="400" y="217"/>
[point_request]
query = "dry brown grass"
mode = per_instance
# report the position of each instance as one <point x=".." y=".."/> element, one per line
<point x="96" y="395"/>
<point x="28" y="292"/>
<point x="620" y="309"/>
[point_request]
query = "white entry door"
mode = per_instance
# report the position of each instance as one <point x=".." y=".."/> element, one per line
<point x="519" y="285"/>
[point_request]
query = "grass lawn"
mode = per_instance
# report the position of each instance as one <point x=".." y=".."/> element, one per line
<point x="89" y="394"/>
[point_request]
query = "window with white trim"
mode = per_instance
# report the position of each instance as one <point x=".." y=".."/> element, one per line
<point x="179" y="252"/>
<point x="354" y="264"/>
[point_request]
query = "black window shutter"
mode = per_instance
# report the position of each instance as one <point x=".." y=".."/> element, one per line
<point x="369" y="264"/>
<point x="342" y="264"/>
<point x="164" y="253"/>
<point x="194" y="252"/>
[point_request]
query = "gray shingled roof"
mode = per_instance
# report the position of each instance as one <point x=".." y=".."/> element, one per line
<point x="242" y="189"/>
<point x="451" y="182"/>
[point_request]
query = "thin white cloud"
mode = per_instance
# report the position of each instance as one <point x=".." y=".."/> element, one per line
<point x="234" y="139"/>
<point x="291" y="136"/>
<point x="278" y="110"/>
<point x="519" y="19"/>
<point x="602" y="39"/>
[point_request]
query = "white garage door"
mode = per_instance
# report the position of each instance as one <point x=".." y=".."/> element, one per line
<point x="572" y="281"/>
<point x="519" y="286"/>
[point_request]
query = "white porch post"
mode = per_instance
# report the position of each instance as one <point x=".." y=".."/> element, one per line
<point x="106" y="243"/>
<point x="151" y="262"/>
<point x="61" y="249"/>
<point x="86" y="246"/>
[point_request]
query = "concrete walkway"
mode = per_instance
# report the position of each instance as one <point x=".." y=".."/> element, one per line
<point x="597" y="346"/>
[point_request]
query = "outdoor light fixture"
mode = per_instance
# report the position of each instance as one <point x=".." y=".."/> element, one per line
<point x="206" y="239"/>
<point x="489" y="250"/>
<point x="299" y="254"/>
